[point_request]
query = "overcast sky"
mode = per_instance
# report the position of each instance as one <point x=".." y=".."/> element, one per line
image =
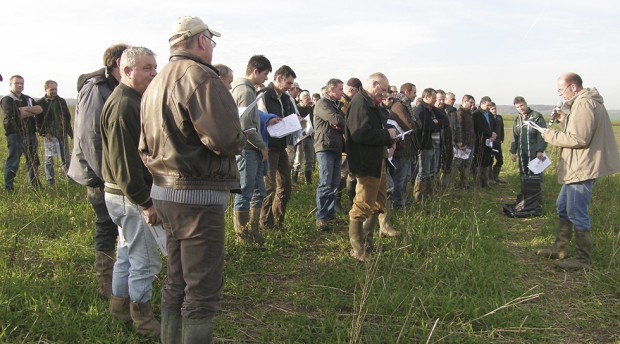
<point x="496" y="48"/>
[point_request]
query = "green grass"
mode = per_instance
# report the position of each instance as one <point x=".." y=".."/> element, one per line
<point x="461" y="273"/>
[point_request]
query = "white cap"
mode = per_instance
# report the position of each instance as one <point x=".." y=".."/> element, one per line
<point x="187" y="27"/>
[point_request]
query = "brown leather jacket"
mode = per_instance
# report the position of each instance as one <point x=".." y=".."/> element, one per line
<point x="190" y="128"/>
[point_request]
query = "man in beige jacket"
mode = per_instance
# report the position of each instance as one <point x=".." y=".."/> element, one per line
<point x="588" y="151"/>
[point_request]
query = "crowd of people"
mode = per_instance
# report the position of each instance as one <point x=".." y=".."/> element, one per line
<point x="168" y="148"/>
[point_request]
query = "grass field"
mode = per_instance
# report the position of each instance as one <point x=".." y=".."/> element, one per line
<point x="461" y="273"/>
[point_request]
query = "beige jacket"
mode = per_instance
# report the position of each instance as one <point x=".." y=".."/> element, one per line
<point x="588" y="149"/>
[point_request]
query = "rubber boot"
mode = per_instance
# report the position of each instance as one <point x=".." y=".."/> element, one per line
<point x="119" y="308"/>
<point x="351" y="184"/>
<point x="564" y="232"/>
<point x="294" y="177"/>
<point x="428" y="188"/>
<point x="358" y="250"/>
<point x="386" y="228"/>
<point x="308" y="176"/>
<point x="417" y="191"/>
<point x="144" y="321"/>
<point x="255" y="226"/>
<point x="583" y="250"/>
<point x="488" y="172"/>
<point x="171" y="325"/>
<point x="240" y="222"/>
<point x="104" y="265"/>
<point x="368" y="230"/>
<point x="496" y="171"/>
<point x="337" y="203"/>
<point x="197" y="331"/>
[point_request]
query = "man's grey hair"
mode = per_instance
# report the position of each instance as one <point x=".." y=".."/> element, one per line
<point x="304" y="94"/>
<point x="450" y="95"/>
<point x="223" y="70"/>
<point x="131" y="54"/>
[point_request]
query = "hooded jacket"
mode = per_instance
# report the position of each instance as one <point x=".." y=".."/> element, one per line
<point x="588" y="148"/>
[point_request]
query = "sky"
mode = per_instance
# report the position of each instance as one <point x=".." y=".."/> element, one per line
<point x="497" y="48"/>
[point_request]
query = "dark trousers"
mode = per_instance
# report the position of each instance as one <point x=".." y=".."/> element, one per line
<point x="277" y="187"/>
<point x="195" y="243"/>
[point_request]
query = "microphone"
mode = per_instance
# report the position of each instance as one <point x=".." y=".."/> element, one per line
<point x="554" y="114"/>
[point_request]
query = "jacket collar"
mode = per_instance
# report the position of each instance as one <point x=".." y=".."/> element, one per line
<point x="184" y="55"/>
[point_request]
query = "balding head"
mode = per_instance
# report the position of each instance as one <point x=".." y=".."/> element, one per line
<point x="377" y="85"/>
<point x="569" y="84"/>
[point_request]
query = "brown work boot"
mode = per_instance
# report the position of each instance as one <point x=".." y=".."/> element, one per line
<point x="358" y="249"/>
<point x="240" y="223"/>
<point x="564" y="232"/>
<point x="254" y="225"/>
<point x="144" y="321"/>
<point x="119" y="308"/>
<point x="581" y="261"/>
<point x="104" y="266"/>
<point x="385" y="225"/>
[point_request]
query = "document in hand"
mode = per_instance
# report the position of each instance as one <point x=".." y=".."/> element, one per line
<point x="462" y="153"/>
<point x="245" y="110"/>
<point x="538" y="166"/>
<point x="307" y="130"/>
<point x="286" y="126"/>
<point x="535" y="126"/>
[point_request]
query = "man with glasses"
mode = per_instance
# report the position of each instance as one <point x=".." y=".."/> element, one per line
<point x="190" y="135"/>
<point x="367" y="141"/>
<point x="588" y="151"/>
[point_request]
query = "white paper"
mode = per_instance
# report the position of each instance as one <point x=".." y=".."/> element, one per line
<point x="462" y="153"/>
<point x="286" y="126"/>
<point x="535" y="126"/>
<point x="307" y="130"/>
<point x="489" y="143"/>
<point x="51" y="147"/>
<point x="537" y="166"/>
<point x="160" y="237"/>
<point x="244" y="110"/>
<point x="395" y="124"/>
<point x="402" y="135"/>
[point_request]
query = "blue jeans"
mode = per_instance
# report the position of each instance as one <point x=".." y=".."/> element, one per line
<point x="250" y="164"/>
<point x="18" y="146"/>
<point x="427" y="164"/>
<point x="137" y="259"/>
<point x="64" y="156"/>
<point x="329" y="179"/>
<point x="400" y="177"/>
<point x="573" y="203"/>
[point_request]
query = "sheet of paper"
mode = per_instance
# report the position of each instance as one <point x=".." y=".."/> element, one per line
<point x="244" y="110"/>
<point x="538" y="166"/>
<point x="535" y="126"/>
<point x="395" y="124"/>
<point x="286" y="126"/>
<point x="402" y="135"/>
<point x="462" y="153"/>
<point x="160" y="237"/>
<point x="307" y="130"/>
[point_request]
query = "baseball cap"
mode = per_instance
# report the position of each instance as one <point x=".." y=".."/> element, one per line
<point x="187" y="27"/>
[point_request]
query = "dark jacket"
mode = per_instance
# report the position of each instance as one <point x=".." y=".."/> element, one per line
<point x="122" y="168"/>
<point x="190" y="128"/>
<point x="465" y="133"/>
<point x="499" y="128"/>
<point x="329" y="125"/>
<point x="366" y="138"/>
<point x="526" y="140"/>
<point x="484" y="130"/>
<point x="425" y="113"/>
<point x="280" y="106"/>
<point x="85" y="166"/>
<point x="400" y="113"/>
<point x="56" y="124"/>
<point x="13" y="123"/>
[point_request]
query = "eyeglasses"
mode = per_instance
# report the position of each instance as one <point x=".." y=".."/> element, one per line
<point x="561" y="91"/>
<point x="213" y="43"/>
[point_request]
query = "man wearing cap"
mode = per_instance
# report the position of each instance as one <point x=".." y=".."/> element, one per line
<point x="190" y="136"/>
<point x="304" y="150"/>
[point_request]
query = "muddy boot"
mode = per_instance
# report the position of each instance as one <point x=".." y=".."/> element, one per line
<point x="337" y="203"/>
<point x="104" y="265"/>
<point x="417" y="191"/>
<point x="386" y="228"/>
<point x="255" y="226"/>
<point x="583" y="248"/>
<point x="171" y="328"/>
<point x="308" y="176"/>
<point x="358" y="249"/>
<point x="198" y="331"/>
<point x="119" y="308"/>
<point x="564" y="232"/>
<point x="240" y="222"/>
<point x="368" y="230"/>
<point x="144" y="321"/>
